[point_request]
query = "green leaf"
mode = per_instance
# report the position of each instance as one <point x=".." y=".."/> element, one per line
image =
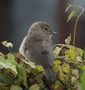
<point x="56" y="85"/>
<point x="35" y="87"/>
<point x="82" y="83"/>
<point x="22" y="73"/>
<point x="6" y="78"/>
<point x="40" y="81"/>
<point x="15" y="87"/>
<point x="83" y="67"/>
<point x="68" y="40"/>
<point x="72" y="14"/>
<point x="7" y="64"/>
<point x="18" y="81"/>
<point x="11" y="58"/>
<point x="80" y="52"/>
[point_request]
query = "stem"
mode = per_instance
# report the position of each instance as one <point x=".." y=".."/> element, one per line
<point x="75" y="27"/>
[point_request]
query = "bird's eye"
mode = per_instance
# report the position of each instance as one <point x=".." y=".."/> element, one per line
<point x="46" y="28"/>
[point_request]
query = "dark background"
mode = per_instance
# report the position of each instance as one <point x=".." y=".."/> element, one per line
<point x="16" y="16"/>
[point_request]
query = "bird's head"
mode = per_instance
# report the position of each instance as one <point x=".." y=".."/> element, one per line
<point x="42" y="27"/>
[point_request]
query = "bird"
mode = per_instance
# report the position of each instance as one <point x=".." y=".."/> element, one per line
<point x="37" y="47"/>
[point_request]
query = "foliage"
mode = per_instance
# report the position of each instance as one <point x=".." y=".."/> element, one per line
<point x="74" y="13"/>
<point x="69" y="65"/>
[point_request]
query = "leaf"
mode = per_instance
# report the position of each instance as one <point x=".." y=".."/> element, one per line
<point x="72" y="14"/>
<point x="40" y="81"/>
<point x="6" y="78"/>
<point x="4" y="87"/>
<point x="73" y="80"/>
<point x="39" y="68"/>
<point x="68" y="40"/>
<point x="15" y="87"/>
<point x="11" y="58"/>
<point x="7" y="64"/>
<point x="31" y="64"/>
<point x="56" y="65"/>
<point x="38" y="78"/>
<point x="61" y="74"/>
<point x="79" y="59"/>
<point x="80" y="52"/>
<point x="56" y="85"/>
<point x="17" y="81"/>
<point x="35" y="87"/>
<point x="4" y="43"/>
<point x="22" y="73"/>
<point x="79" y="86"/>
<point x="56" y="51"/>
<point x="75" y="73"/>
<point x="70" y="55"/>
<point x="82" y="67"/>
<point x="7" y="44"/>
<point x="82" y="81"/>
<point x="66" y="68"/>
<point x="71" y="51"/>
<point x="1" y="54"/>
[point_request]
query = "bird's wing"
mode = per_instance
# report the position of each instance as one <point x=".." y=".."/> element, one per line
<point x="42" y="53"/>
<point x="47" y="47"/>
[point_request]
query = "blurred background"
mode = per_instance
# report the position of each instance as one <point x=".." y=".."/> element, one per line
<point x="16" y="16"/>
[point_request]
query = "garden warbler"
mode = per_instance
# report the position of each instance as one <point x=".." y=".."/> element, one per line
<point x="37" y="47"/>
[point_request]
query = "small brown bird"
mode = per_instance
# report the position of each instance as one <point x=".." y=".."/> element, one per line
<point x="37" y="47"/>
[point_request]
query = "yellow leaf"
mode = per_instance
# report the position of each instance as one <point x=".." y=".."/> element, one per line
<point x="71" y="55"/>
<point x="4" y="43"/>
<point x="56" y="65"/>
<point x="61" y="74"/>
<point x="39" y="68"/>
<point x="57" y="62"/>
<point x="66" y="68"/>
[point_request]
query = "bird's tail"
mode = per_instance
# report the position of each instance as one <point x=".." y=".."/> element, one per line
<point x="50" y="74"/>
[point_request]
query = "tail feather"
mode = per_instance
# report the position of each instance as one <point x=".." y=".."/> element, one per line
<point x="50" y="74"/>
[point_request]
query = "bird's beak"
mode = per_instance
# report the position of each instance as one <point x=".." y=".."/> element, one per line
<point x="53" y="32"/>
